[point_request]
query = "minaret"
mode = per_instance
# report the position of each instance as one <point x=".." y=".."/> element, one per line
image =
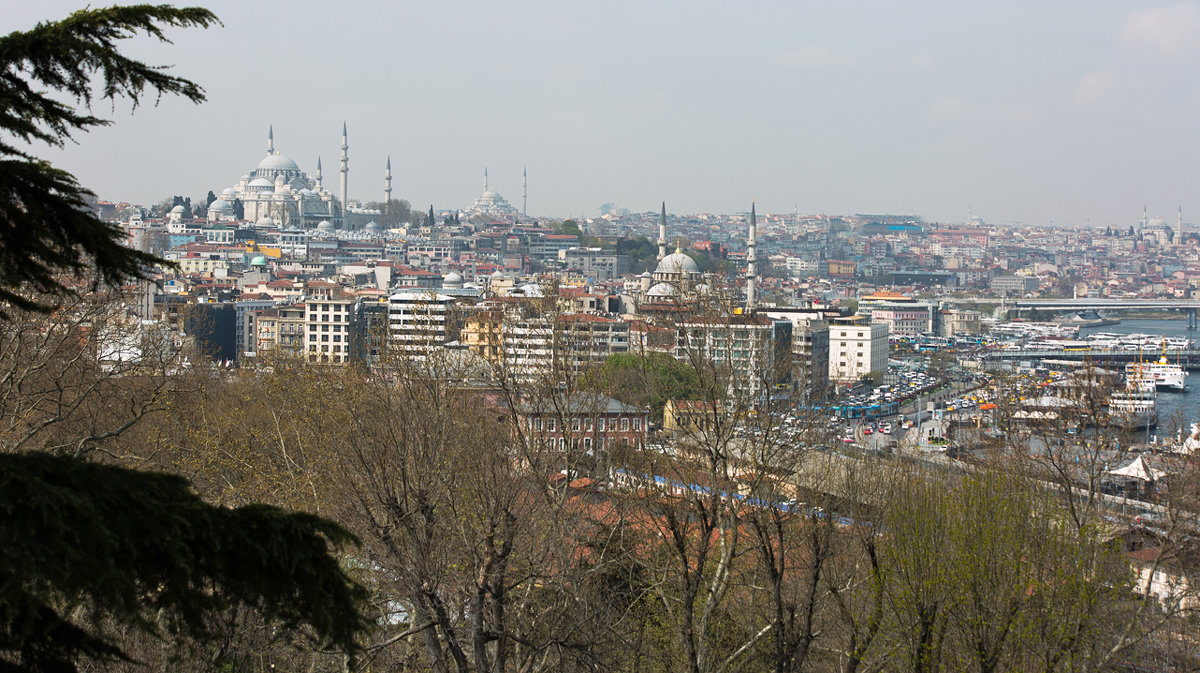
<point x="345" y="169"/>
<point x="1145" y="218"/>
<point x="662" y="232"/>
<point x="524" y="192"/>
<point x="751" y="260"/>
<point x="1179" y="226"/>
<point x="317" y="177"/>
<point x="270" y="140"/>
<point x="485" y="185"/>
<point x="387" y="185"/>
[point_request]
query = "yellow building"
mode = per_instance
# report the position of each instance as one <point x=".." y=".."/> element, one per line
<point x="689" y="417"/>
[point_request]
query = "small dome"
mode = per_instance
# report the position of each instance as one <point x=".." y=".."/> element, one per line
<point x="260" y="260"/>
<point x="261" y="182"/>
<point x="325" y="225"/>
<point x="278" y="162"/>
<point x="677" y="262"/>
<point x="220" y="206"/>
<point x="452" y="281"/>
<point x="265" y="221"/>
<point x="372" y="226"/>
<point x="178" y="210"/>
<point x="662" y="290"/>
<point x="229" y="191"/>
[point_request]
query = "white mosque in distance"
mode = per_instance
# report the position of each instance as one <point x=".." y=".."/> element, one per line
<point x="277" y="193"/>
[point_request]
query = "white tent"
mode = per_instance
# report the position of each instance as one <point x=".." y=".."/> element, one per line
<point x="1139" y="470"/>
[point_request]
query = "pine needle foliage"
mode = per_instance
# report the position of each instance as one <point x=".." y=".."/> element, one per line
<point x="50" y="76"/>
<point x="84" y="545"/>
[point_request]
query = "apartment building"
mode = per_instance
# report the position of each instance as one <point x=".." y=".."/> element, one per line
<point x="417" y="321"/>
<point x="856" y="348"/>
<point x="755" y="350"/>
<point x="327" y="324"/>
<point x="280" y="330"/>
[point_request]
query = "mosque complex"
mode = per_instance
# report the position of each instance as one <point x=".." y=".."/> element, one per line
<point x="278" y="194"/>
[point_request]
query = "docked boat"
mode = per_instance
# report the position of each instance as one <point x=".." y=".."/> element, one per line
<point x="1135" y="406"/>
<point x="1165" y="375"/>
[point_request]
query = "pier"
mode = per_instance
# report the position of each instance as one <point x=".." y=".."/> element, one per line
<point x="1186" y="358"/>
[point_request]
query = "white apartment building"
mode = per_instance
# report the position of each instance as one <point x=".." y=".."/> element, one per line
<point x="417" y="321"/>
<point x="534" y="347"/>
<point x="798" y="265"/>
<point x="856" y="348"/>
<point x="327" y="324"/>
<point x="755" y="349"/>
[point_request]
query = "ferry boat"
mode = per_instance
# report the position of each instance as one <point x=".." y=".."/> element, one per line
<point x="1163" y="373"/>
<point x="1135" y="406"/>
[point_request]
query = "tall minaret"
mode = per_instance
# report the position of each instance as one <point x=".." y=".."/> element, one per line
<point x="270" y="140"/>
<point x="751" y="261"/>
<point x="1179" y="226"/>
<point x="387" y="185"/>
<point x="1145" y="216"/>
<point x="345" y="169"/>
<point x="662" y="232"/>
<point x="317" y="177"/>
<point x="524" y="191"/>
<point x="485" y="185"/>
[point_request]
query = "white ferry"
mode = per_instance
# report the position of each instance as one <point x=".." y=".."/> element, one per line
<point x="1136" y="405"/>
<point x="1165" y="374"/>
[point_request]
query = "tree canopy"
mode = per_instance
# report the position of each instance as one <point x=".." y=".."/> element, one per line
<point x="92" y="554"/>
<point x="649" y="380"/>
<point x="85" y="543"/>
<point x="48" y="77"/>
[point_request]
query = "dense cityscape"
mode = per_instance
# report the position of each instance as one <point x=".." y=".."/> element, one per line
<point x="287" y="422"/>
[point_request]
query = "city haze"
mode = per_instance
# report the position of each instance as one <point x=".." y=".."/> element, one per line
<point x="1070" y="113"/>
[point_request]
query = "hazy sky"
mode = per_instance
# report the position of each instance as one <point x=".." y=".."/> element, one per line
<point x="1063" y="111"/>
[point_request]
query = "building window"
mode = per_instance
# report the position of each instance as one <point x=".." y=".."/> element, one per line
<point x="637" y="424"/>
<point x="551" y="424"/>
<point x="602" y="424"/>
<point x="625" y="425"/>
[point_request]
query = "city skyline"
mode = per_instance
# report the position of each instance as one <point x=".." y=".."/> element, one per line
<point x="1070" y="114"/>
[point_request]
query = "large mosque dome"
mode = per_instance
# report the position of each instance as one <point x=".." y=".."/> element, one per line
<point x="278" y="162"/>
<point x="278" y="191"/>
<point x="491" y="204"/>
<point x="677" y="262"/>
<point x="662" y="290"/>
